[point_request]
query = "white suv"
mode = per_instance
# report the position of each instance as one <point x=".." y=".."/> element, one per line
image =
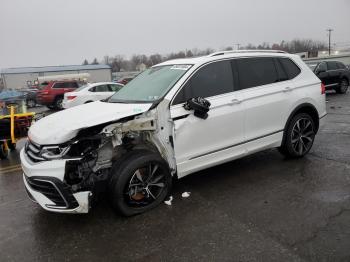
<point x="175" y="118"/>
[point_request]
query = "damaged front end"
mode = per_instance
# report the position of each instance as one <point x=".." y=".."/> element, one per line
<point x="90" y="156"/>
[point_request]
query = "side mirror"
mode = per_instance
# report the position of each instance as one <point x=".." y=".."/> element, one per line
<point x="199" y="105"/>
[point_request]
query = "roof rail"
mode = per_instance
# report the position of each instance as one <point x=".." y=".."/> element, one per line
<point x="245" y="51"/>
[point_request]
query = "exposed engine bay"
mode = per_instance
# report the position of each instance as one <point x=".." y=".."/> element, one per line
<point x="95" y="149"/>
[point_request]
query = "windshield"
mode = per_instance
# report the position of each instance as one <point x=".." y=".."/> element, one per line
<point x="150" y="85"/>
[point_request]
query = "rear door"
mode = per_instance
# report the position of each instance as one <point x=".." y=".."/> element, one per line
<point x="333" y="73"/>
<point x="267" y="96"/>
<point x="199" y="143"/>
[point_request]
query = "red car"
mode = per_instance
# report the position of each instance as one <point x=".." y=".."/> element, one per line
<point x="51" y="95"/>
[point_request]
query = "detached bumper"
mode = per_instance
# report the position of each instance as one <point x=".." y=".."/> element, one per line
<point x="49" y="191"/>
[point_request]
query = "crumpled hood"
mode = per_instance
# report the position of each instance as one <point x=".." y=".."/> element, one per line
<point x="59" y="127"/>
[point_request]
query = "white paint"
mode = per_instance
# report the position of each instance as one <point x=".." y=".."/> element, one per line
<point x="64" y="125"/>
<point x="87" y="95"/>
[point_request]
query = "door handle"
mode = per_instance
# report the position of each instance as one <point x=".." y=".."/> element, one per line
<point x="235" y="101"/>
<point x="287" y="89"/>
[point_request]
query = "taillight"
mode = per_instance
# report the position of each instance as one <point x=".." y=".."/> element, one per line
<point x="323" y="89"/>
<point x="71" y="97"/>
<point x="44" y="92"/>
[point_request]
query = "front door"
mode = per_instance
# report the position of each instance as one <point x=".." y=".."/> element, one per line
<point x="200" y="143"/>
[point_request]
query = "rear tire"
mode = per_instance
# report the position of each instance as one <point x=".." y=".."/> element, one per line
<point x="140" y="181"/>
<point x="343" y="86"/>
<point x="299" y="136"/>
<point x="58" y="103"/>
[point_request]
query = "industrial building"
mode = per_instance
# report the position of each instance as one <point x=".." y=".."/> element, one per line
<point x="24" y="77"/>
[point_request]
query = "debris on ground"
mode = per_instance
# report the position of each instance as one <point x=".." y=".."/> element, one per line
<point x="168" y="202"/>
<point x="186" y="194"/>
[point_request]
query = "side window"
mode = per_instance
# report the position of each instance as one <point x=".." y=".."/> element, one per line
<point x="290" y="67"/>
<point x="256" y="72"/>
<point x="332" y="65"/>
<point x="114" y="88"/>
<point x="92" y="89"/>
<point x="102" y="88"/>
<point x="74" y="85"/>
<point x="59" y="85"/>
<point x="281" y="72"/>
<point x="341" y="65"/>
<point x="211" y="80"/>
<point x="322" y="67"/>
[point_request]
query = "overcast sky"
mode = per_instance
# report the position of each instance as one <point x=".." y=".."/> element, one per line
<point x="61" y="32"/>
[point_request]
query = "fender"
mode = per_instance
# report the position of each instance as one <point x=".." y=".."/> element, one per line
<point x="298" y="108"/>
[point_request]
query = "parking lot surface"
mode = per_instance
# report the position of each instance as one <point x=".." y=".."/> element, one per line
<point x="259" y="208"/>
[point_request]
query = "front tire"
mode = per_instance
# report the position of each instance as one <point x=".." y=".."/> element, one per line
<point x="139" y="183"/>
<point x="299" y="136"/>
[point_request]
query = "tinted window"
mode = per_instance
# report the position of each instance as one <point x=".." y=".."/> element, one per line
<point x="321" y="67"/>
<point x="66" y="85"/>
<point x="290" y="67"/>
<point x="211" y="80"/>
<point x="101" y="88"/>
<point x="256" y="72"/>
<point x="332" y="65"/>
<point x="115" y="88"/>
<point x="341" y="65"/>
<point x="281" y="72"/>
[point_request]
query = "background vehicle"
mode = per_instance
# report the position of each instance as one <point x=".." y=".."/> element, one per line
<point x="52" y="94"/>
<point x="333" y="74"/>
<point x="174" y="119"/>
<point x="31" y="96"/>
<point x="89" y="93"/>
<point x="125" y="80"/>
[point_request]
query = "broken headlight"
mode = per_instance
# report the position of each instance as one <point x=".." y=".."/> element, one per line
<point x="54" y="152"/>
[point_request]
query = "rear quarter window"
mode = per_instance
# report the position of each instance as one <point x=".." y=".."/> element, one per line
<point x="290" y="67"/>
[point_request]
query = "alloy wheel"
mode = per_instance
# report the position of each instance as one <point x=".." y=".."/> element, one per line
<point x="145" y="186"/>
<point x="344" y="86"/>
<point x="303" y="135"/>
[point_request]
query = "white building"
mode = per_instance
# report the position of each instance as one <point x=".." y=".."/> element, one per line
<point x="23" y="77"/>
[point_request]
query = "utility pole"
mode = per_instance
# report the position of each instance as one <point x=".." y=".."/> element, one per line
<point x="329" y="40"/>
<point x="237" y="46"/>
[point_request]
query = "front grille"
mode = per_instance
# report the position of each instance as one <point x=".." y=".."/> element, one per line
<point x="53" y="189"/>
<point x="33" y="151"/>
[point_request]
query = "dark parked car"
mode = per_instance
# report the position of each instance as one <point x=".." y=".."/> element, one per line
<point x="333" y="74"/>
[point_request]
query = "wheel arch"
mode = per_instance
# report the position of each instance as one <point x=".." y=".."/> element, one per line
<point x="346" y="78"/>
<point x="303" y="108"/>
